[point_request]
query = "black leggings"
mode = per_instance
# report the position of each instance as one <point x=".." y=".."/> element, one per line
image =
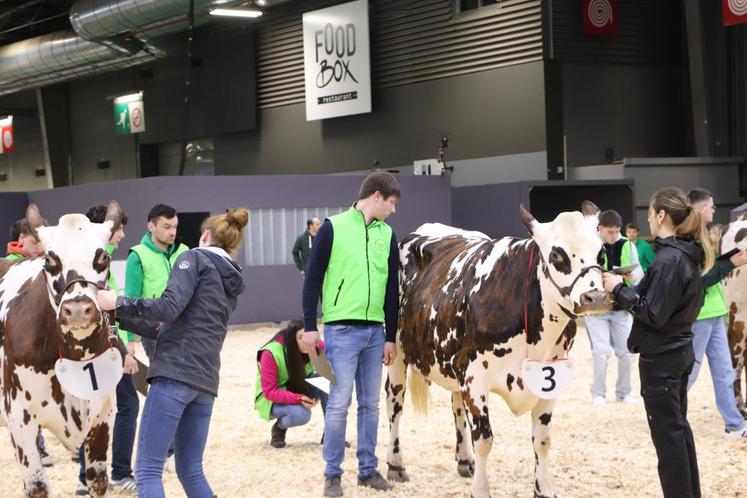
<point x="664" y="391"/>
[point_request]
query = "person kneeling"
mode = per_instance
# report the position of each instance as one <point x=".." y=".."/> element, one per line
<point x="281" y="388"/>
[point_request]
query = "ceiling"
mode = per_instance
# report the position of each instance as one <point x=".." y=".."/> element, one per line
<point x="22" y="19"/>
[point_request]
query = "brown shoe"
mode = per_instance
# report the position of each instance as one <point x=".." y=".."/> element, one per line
<point x="277" y="439"/>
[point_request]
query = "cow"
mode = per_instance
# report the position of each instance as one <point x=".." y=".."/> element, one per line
<point x="48" y="311"/>
<point x="735" y="292"/>
<point x="465" y="299"/>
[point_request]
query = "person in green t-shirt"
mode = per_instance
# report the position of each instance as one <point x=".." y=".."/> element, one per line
<point x="709" y="331"/>
<point x="646" y="254"/>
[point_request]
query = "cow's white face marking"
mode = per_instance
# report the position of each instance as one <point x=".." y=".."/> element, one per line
<point x="76" y="242"/>
<point x="569" y="244"/>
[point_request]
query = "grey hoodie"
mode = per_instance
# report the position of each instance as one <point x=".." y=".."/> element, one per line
<point x="198" y="300"/>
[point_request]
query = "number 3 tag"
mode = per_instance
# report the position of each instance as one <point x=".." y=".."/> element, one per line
<point x="547" y="380"/>
<point x="92" y="379"/>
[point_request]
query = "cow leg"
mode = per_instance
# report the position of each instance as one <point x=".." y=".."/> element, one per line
<point x="395" y="401"/>
<point x="541" y="417"/>
<point x="739" y="368"/>
<point x="475" y="396"/>
<point x="95" y="447"/>
<point x="23" y="437"/>
<point x="464" y="456"/>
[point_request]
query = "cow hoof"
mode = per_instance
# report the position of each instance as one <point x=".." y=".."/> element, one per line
<point x="38" y="491"/>
<point x="466" y="469"/>
<point x="397" y="474"/>
<point x="100" y="484"/>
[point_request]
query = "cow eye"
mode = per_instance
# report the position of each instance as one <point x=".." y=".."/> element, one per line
<point x="51" y="264"/>
<point x="101" y="261"/>
<point x="555" y="257"/>
<point x="600" y="257"/>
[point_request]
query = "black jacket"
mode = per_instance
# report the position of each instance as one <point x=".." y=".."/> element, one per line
<point x="198" y="300"/>
<point x="668" y="299"/>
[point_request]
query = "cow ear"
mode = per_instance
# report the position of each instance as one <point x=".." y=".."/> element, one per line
<point x="114" y="214"/>
<point x="34" y="217"/>
<point x="527" y="219"/>
<point x="588" y="208"/>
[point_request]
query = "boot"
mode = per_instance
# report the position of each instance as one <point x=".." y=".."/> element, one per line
<point x="277" y="439"/>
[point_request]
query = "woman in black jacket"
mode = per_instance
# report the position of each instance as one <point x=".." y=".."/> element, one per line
<point x="184" y="370"/>
<point x="664" y="306"/>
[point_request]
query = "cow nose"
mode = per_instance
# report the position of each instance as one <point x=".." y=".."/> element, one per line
<point x="594" y="300"/>
<point x="78" y="312"/>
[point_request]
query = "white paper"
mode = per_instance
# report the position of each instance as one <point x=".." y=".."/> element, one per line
<point x="319" y="382"/>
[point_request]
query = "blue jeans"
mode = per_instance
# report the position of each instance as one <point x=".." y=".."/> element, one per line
<point x="709" y="339"/>
<point x="609" y="333"/>
<point x="356" y="354"/>
<point x="123" y="434"/>
<point x="294" y="415"/>
<point x="176" y="412"/>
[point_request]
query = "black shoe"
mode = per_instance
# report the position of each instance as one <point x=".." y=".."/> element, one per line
<point x="332" y="486"/>
<point x="277" y="439"/>
<point x="375" y="481"/>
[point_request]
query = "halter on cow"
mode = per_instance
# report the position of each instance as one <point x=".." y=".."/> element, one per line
<point x="48" y="311"/>
<point x="735" y="292"/>
<point x="473" y="309"/>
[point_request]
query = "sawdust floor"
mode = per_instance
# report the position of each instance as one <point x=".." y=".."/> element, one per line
<point x="604" y="452"/>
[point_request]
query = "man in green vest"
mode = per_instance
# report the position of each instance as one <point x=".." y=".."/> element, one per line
<point x="354" y="268"/>
<point x="709" y="332"/>
<point x="646" y="254"/>
<point x="609" y="331"/>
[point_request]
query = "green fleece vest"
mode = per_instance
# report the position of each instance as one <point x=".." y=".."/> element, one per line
<point x="156" y="268"/>
<point x="624" y="258"/>
<point x="262" y="404"/>
<point x="355" y="282"/>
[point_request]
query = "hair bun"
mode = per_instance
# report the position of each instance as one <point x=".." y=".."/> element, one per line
<point x="237" y="217"/>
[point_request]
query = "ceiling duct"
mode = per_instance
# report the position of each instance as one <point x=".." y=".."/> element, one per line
<point x="108" y="35"/>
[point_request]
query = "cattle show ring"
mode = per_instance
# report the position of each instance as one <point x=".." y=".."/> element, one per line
<point x="431" y="432"/>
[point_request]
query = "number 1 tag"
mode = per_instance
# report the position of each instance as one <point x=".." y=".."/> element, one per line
<point x="92" y="379"/>
<point x="547" y="380"/>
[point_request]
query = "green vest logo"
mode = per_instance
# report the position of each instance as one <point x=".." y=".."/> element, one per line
<point x="129" y="114"/>
<point x="380" y="245"/>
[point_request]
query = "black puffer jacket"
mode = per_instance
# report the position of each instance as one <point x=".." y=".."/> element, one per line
<point x="198" y="300"/>
<point x="668" y="299"/>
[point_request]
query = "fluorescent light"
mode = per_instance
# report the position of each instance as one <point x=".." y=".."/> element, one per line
<point x="236" y="12"/>
<point x="133" y="97"/>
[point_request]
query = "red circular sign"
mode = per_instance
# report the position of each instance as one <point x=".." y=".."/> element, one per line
<point x="137" y="117"/>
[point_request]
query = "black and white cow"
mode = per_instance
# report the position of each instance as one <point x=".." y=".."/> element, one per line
<point x="48" y="310"/>
<point x="462" y="316"/>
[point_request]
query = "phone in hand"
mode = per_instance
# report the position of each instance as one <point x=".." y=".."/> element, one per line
<point x="623" y="270"/>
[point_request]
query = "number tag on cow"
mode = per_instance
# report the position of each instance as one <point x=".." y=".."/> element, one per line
<point x="547" y="380"/>
<point x="92" y="379"/>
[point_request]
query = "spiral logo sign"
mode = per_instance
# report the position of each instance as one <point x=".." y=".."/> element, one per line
<point x="738" y="7"/>
<point x="600" y="13"/>
<point x="600" y="17"/>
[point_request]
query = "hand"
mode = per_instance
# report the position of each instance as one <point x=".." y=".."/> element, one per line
<point x="611" y="281"/>
<point x="310" y="341"/>
<point x="390" y="353"/>
<point x="627" y="276"/>
<point x="739" y="258"/>
<point x="307" y="402"/>
<point x="130" y="365"/>
<point x="107" y="299"/>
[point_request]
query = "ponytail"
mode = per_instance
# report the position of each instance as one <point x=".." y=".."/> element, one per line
<point x="686" y="220"/>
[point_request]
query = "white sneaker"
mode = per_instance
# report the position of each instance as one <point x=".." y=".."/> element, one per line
<point x="738" y="434"/>
<point x="170" y="464"/>
<point x="628" y="400"/>
<point x="598" y="400"/>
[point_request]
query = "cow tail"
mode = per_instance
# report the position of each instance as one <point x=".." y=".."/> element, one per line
<point x="419" y="392"/>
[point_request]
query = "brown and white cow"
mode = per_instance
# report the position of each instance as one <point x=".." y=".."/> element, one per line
<point x="462" y="326"/>
<point x="735" y="292"/>
<point x="47" y="310"/>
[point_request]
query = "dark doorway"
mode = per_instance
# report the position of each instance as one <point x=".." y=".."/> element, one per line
<point x="189" y="227"/>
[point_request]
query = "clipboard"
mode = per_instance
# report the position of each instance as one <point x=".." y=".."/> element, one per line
<point x="141" y="377"/>
<point x="322" y="366"/>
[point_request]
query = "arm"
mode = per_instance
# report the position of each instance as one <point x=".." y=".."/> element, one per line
<point x="178" y="293"/>
<point x="318" y="262"/>
<point x="659" y="299"/>
<point x="391" y="299"/>
<point x="269" y="379"/>
<point x="719" y="272"/>
<point x="296" y="252"/>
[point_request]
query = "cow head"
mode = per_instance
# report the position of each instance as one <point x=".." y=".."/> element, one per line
<point x="570" y="250"/>
<point x="76" y="262"/>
